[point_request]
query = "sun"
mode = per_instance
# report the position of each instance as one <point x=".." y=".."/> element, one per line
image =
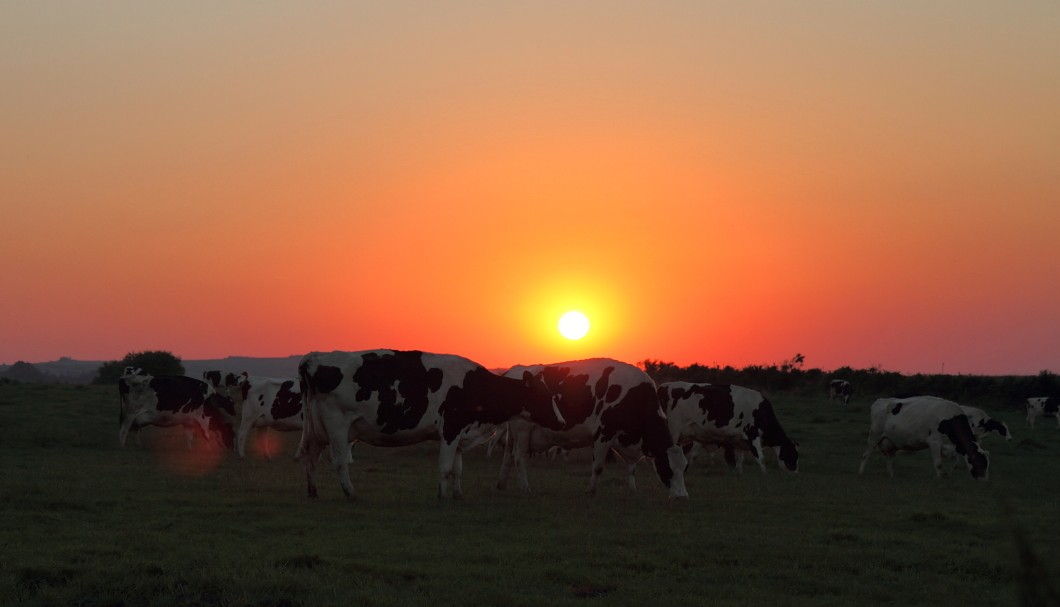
<point x="573" y="325"/>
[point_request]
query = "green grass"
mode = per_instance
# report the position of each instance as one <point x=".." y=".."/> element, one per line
<point x="87" y="523"/>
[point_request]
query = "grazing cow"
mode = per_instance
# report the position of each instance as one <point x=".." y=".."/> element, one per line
<point x="1047" y="406"/>
<point x="262" y="402"/>
<point x="839" y="388"/>
<point x="923" y="422"/>
<point x="733" y="418"/>
<point x="602" y="403"/>
<point x="390" y="398"/>
<point x="171" y="400"/>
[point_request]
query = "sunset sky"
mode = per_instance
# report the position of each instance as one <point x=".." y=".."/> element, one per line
<point x="865" y="183"/>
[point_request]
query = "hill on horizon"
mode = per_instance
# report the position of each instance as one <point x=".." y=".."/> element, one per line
<point x="71" y="370"/>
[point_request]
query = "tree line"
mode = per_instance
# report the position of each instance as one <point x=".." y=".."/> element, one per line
<point x="868" y="384"/>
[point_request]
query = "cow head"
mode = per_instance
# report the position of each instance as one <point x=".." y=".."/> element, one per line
<point x="788" y="455"/>
<point x="959" y="431"/>
<point x="540" y="402"/>
<point x="670" y="467"/>
<point x="220" y="416"/>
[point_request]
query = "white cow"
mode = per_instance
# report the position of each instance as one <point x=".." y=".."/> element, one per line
<point x="734" y="418"/>
<point x="262" y="402"/>
<point x="923" y="422"/>
<point x="1046" y="406"/>
<point x="601" y="403"/>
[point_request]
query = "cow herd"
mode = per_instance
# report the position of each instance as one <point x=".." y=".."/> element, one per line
<point x="391" y="398"/>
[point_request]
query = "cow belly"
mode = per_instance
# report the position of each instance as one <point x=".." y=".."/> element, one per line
<point x="368" y="432"/>
<point x="284" y="425"/>
<point x="163" y="419"/>
<point x="541" y="439"/>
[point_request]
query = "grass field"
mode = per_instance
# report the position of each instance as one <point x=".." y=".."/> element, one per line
<point x="87" y="523"/>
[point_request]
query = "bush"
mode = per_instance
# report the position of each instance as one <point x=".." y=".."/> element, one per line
<point x="153" y="362"/>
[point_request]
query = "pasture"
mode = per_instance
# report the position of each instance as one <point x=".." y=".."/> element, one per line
<point x="87" y="523"/>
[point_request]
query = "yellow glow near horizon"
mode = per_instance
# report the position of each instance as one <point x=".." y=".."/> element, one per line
<point x="573" y="325"/>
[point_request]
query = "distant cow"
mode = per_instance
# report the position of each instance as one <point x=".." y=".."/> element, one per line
<point x="923" y="422"/>
<point x="605" y="404"/>
<point x="734" y="418"/>
<point x="390" y="398"/>
<point x="841" y="389"/>
<point x="1047" y="406"/>
<point x="262" y="402"/>
<point x="171" y="400"/>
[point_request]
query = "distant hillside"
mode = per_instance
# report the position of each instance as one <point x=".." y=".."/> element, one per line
<point x="83" y="371"/>
<point x="265" y="367"/>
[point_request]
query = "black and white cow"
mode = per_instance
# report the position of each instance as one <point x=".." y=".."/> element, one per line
<point x="262" y="402"/>
<point x="923" y="422"/>
<point x="391" y="398"/>
<point x="841" y="389"/>
<point x="982" y="424"/>
<point x="602" y="403"/>
<point x="1046" y="406"/>
<point x="172" y="400"/>
<point x="734" y="418"/>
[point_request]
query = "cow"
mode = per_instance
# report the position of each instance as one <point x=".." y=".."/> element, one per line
<point x="171" y="400"/>
<point x="841" y="389"/>
<point x="393" y="398"/>
<point x="262" y="402"/>
<point x="923" y="422"/>
<point x="1047" y="406"/>
<point x="602" y="403"/>
<point x="734" y="418"/>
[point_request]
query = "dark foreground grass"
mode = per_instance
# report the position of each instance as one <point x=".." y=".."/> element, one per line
<point x="86" y="523"/>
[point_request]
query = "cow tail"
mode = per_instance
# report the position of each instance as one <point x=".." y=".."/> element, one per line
<point x="122" y="389"/>
<point x="308" y="390"/>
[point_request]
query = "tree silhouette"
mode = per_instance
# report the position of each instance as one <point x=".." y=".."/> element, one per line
<point x="153" y="362"/>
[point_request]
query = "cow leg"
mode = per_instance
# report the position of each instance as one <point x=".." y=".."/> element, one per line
<point x="458" y="471"/>
<point x="759" y="454"/>
<point x="600" y="450"/>
<point x="874" y="443"/>
<point x="1031" y="414"/>
<point x="936" y="457"/>
<point x="520" y="453"/>
<point x="263" y="437"/>
<point x="129" y="425"/>
<point x="447" y="456"/>
<point x="506" y="463"/>
<point x="311" y="451"/>
<point x="691" y="450"/>
<point x="890" y="464"/>
<point x="241" y="437"/>
<point x="341" y="464"/>
<point x="631" y="470"/>
<point x="729" y="455"/>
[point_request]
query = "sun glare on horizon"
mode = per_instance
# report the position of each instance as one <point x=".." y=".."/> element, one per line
<point x="573" y="325"/>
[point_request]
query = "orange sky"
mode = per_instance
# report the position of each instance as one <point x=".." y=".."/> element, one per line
<point x="722" y="183"/>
